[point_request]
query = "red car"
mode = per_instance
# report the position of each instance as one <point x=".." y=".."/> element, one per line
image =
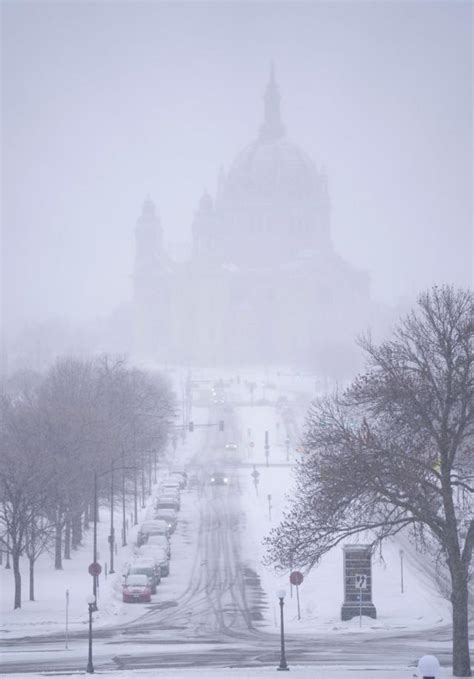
<point x="136" y="589"/>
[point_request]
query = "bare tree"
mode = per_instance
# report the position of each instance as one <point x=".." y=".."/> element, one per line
<point x="23" y="484"/>
<point x="55" y="431"/>
<point x="395" y="451"/>
<point x="38" y="537"/>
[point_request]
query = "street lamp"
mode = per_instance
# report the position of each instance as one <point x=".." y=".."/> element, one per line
<point x="91" y="605"/>
<point x="401" y="553"/>
<point x="97" y="476"/>
<point x="428" y="667"/>
<point x="282" y="667"/>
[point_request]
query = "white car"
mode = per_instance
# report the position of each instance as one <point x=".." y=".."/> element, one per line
<point x="160" y="541"/>
<point x="171" y="484"/>
<point x="231" y="446"/>
<point x="160" y="557"/>
<point x="155" y="527"/>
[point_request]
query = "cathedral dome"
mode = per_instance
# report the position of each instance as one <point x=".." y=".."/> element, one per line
<point x="272" y="200"/>
<point x="272" y="168"/>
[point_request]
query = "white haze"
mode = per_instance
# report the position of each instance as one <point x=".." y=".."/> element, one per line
<point x="106" y="102"/>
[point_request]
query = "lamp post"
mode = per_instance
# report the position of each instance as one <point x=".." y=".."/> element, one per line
<point x="91" y="605"/>
<point x="282" y="667"/>
<point x="401" y="569"/>
<point x="96" y="502"/>
<point x="135" y="498"/>
<point x="94" y="555"/>
<point x="429" y="667"/>
<point x="112" y="532"/>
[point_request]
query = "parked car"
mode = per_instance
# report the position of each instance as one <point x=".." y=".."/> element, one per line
<point x="168" y="492"/>
<point x="171" y="484"/>
<point x="150" y="514"/>
<point x="180" y="474"/>
<point x="150" y="553"/>
<point x="219" y="479"/>
<point x="136" y="588"/>
<point x="155" y="527"/>
<point x="180" y="477"/>
<point x="231" y="446"/>
<point x="145" y="567"/>
<point x="169" y="515"/>
<point x="160" y="557"/>
<point x="168" y="502"/>
<point x="160" y="541"/>
<point x="193" y="481"/>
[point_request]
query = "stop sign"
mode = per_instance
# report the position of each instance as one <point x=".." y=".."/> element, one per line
<point x="296" y="578"/>
<point x="95" y="568"/>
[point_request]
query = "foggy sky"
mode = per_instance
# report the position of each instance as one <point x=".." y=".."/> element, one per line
<point x="106" y="102"/>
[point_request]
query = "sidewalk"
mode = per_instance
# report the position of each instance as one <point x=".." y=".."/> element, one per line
<point x="312" y="672"/>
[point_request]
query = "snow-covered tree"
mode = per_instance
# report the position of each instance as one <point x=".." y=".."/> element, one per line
<point x="396" y="451"/>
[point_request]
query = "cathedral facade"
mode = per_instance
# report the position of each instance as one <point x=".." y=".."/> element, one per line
<point x="264" y="283"/>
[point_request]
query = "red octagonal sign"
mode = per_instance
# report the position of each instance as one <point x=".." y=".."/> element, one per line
<point x="95" y="568"/>
<point x="296" y="578"/>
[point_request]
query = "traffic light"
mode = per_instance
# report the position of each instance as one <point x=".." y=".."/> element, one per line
<point x="191" y="426"/>
<point x="221" y="425"/>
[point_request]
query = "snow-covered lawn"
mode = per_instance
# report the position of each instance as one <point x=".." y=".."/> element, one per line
<point x="321" y="594"/>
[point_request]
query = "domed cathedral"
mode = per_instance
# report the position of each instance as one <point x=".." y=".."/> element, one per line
<point x="264" y="283"/>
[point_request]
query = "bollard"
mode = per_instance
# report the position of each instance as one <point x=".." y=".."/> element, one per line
<point x="429" y="667"/>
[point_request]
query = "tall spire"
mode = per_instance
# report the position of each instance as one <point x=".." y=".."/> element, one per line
<point x="272" y="126"/>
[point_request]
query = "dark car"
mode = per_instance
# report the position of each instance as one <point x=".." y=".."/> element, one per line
<point x="219" y="479"/>
<point x="146" y="567"/>
<point x="136" y="588"/>
<point x="169" y="515"/>
<point x="168" y="502"/>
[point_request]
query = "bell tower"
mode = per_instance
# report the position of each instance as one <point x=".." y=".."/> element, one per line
<point x="148" y="264"/>
<point x="272" y="127"/>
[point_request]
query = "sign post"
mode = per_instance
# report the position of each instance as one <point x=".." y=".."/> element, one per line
<point x="296" y="578"/>
<point x="401" y="570"/>
<point x="360" y="583"/>
<point x="269" y="498"/>
<point x="255" y="475"/>
<point x="67" y="618"/>
<point x="95" y="569"/>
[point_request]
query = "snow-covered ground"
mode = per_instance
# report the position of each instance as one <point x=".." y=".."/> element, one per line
<point x="321" y="672"/>
<point x="321" y="594"/>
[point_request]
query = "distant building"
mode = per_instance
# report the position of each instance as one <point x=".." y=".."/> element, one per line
<point x="263" y="283"/>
